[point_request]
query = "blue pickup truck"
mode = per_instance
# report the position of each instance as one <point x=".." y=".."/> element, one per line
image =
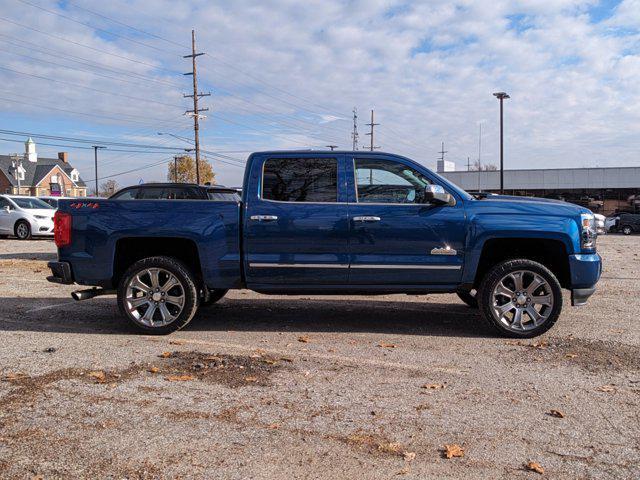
<point x="359" y="223"/>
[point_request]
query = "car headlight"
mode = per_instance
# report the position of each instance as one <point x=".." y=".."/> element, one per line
<point x="589" y="233"/>
<point x="40" y="217"/>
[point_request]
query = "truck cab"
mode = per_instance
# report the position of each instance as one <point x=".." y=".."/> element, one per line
<point x="333" y="223"/>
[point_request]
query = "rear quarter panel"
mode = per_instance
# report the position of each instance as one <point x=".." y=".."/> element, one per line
<point x="212" y="226"/>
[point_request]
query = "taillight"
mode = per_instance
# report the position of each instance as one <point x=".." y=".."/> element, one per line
<point x="62" y="229"/>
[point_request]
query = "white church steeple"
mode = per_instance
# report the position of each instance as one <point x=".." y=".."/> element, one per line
<point x="30" y="150"/>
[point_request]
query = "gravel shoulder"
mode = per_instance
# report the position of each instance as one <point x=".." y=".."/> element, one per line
<point x="316" y="387"/>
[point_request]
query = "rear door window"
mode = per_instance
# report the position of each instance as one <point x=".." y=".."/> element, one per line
<point x="129" y="194"/>
<point x="300" y="180"/>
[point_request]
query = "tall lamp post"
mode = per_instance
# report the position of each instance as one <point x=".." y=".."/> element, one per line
<point x="501" y="96"/>
<point x="95" y="160"/>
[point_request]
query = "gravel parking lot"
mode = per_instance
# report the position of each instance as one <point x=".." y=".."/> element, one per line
<point x="316" y="387"/>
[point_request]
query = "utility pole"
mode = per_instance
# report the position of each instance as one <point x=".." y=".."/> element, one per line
<point x="501" y="96"/>
<point x="95" y="161"/>
<point x="354" y="134"/>
<point x="468" y="164"/>
<point x="16" y="163"/>
<point x="332" y="147"/>
<point x="479" y="154"/>
<point x="196" y="95"/>
<point x="372" y="124"/>
<point x="442" y="152"/>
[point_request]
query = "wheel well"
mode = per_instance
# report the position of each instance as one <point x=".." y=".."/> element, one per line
<point x="550" y="253"/>
<point x="130" y="250"/>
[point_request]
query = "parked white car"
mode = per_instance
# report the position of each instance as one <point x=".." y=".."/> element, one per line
<point x="53" y="201"/>
<point x="25" y="217"/>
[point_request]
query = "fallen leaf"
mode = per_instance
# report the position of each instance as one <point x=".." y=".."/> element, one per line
<point x="98" y="375"/>
<point x="177" y="342"/>
<point x="250" y="379"/>
<point x="303" y="339"/>
<point x="269" y="361"/>
<point x="556" y="413"/>
<point x="606" y="389"/>
<point x="434" y="386"/>
<point x="179" y="378"/>
<point x="165" y="355"/>
<point x="273" y="426"/>
<point x="453" y="450"/>
<point x="386" y="345"/>
<point x="404" y="471"/>
<point x="154" y="370"/>
<point x="541" y="345"/>
<point x="13" y="376"/>
<point x="286" y="359"/>
<point x="534" y="467"/>
<point x="571" y="355"/>
<point x="392" y="447"/>
<point x="409" y="456"/>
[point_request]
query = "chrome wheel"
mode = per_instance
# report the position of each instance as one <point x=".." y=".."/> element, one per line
<point x="522" y="300"/>
<point x="155" y="297"/>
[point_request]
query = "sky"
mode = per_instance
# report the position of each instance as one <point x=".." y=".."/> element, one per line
<point x="285" y="74"/>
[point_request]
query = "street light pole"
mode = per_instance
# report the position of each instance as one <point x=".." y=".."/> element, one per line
<point x="501" y="96"/>
<point x="95" y="161"/>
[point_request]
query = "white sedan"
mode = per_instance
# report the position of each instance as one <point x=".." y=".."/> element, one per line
<point x="25" y="217"/>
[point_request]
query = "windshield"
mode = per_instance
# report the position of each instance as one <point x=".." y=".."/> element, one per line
<point x="31" y="203"/>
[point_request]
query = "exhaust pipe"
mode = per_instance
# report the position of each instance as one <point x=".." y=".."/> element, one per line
<point x="80" y="295"/>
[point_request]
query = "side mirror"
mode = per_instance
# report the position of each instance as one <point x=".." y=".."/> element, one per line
<point x="435" y="194"/>
<point x="7" y="208"/>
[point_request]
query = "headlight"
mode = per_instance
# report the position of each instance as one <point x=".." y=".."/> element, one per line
<point x="41" y="217"/>
<point x="589" y="232"/>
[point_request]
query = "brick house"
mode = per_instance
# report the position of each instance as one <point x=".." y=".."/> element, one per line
<point x="40" y="176"/>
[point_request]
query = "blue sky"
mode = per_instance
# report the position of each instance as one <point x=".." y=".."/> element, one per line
<point x="286" y="74"/>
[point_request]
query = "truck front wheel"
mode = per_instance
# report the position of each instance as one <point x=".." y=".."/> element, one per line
<point x="520" y="298"/>
<point x="158" y="295"/>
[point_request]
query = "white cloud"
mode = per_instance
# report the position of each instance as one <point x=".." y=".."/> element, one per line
<point x="428" y="68"/>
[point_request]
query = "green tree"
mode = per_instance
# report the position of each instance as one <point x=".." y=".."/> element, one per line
<point x="186" y="170"/>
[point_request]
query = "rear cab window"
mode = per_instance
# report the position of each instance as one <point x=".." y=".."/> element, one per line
<point x="313" y="180"/>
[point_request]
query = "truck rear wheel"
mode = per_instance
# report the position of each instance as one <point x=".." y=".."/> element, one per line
<point x="158" y="295"/>
<point x="520" y="298"/>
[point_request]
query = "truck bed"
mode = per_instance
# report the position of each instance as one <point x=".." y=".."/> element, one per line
<point x="103" y="229"/>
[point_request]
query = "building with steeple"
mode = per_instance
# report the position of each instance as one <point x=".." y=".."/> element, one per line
<point x="27" y="174"/>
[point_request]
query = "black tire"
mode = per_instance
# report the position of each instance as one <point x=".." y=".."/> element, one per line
<point x="468" y="297"/>
<point x="496" y="274"/>
<point x="627" y="230"/>
<point x="186" y="288"/>
<point x="22" y="230"/>
<point x="212" y="296"/>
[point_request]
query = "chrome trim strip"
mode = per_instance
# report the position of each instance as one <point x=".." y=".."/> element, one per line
<point x="299" y="265"/>
<point x="345" y="265"/>
<point x="412" y="267"/>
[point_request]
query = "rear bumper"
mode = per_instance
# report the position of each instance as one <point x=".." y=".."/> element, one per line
<point x="61" y="273"/>
<point x="585" y="273"/>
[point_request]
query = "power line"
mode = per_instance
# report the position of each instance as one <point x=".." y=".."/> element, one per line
<point x="66" y="17"/>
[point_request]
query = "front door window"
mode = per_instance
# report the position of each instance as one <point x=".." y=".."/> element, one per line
<point x="382" y="181"/>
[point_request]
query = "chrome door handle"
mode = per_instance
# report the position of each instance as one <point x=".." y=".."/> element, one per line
<point x="264" y="218"/>
<point x="366" y="218"/>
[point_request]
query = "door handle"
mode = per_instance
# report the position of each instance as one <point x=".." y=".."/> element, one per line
<point x="264" y="218"/>
<point x="366" y="218"/>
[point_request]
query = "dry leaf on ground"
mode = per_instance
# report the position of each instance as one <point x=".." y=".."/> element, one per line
<point x="434" y="386"/>
<point x="179" y="378"/>
<point x="556" y="413"/>
<point x="386" y="345"/>
<point x="303" y="338"/>
<point x="571" y="355"/>
<point x="409" y="456"/>
<point x="177" y="342"/>
<point x="165" y="355"/>
<point x="154" y="369"/>
<point x="250" y="379"/>
<point x="606" y="388"/>
<point x="391" y="447"/>
<point x="453" y="450"/>
<point x="534" y="467"/>
<point x="98" y="375"/>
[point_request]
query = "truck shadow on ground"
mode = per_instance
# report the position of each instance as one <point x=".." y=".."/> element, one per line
<point x="101" y="316"/>
<point x="29" y="256"/>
